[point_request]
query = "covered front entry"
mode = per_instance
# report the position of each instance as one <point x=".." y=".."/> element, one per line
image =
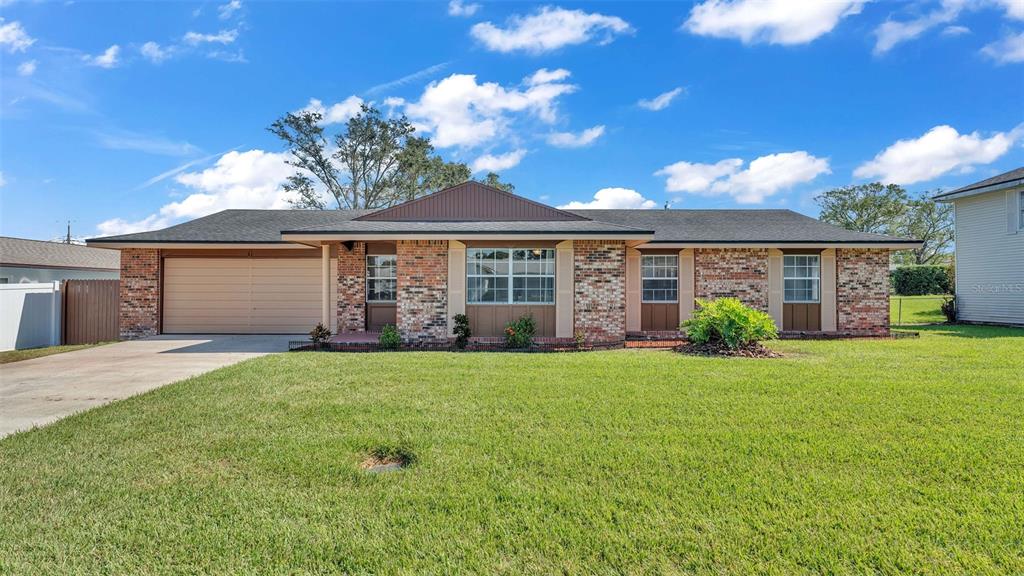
<point x="248" y="295"/>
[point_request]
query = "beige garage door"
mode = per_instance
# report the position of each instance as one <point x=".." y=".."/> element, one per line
<point x="241" y="295"/>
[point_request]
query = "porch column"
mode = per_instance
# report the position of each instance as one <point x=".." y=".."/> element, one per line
<point x="828" y="290"/>
<point x="686" y="284"/>
<point x="565" y="283"/>
<point x="775" y="286"/>
<point x="325" y="284"/>
<point x="633" y="301"/>
<point x="456" y="282"/>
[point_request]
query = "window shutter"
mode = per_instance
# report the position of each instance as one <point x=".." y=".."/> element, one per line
<point x="1012" y="211"/>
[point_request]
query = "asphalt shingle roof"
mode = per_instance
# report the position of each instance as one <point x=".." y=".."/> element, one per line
<point x="15" y="251"/>
<point x="1015" y="174"/>
<point x="690" y="226"/>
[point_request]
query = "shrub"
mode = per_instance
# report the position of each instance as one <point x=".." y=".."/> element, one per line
<point x="949" y="310"/>
<point x="389" y="338"/>
<point x="462" y="331"/>
<point x="728" y="321"/>
<point x="920" y="280"/>
<point x="519" y="334"/>
<point x="951" y="278"/>
<point x="320" y="334"/>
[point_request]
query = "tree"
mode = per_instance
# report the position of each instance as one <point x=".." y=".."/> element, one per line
<point x="492" y="179"/>
<point x="930" y="222"/>
<point x="871" y="207"/>
<point x="378" y="162"/>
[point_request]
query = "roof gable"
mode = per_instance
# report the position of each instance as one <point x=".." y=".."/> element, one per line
<point x="471" y="202"/>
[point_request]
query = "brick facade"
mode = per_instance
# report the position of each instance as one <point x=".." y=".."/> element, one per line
<point x="600" y="289"/>
<point x="862" y="290"/>
<point x="732" y="272"/>
<point x="352" y="288"/>
<point x="422" y="309"/>
<point x="139" y="314"/>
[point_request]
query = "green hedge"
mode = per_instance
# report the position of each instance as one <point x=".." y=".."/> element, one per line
<point x="921" y="280"/>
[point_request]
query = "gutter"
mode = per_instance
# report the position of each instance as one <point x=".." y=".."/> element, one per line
<point x="946" y="197"/>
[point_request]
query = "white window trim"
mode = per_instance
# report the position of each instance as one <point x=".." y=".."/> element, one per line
<point x="511" y="276"/>
<point x="1020" y="211"/>
<point x="674" y="277"/>
<point x="366" y="264"/>
<point x="817" y="258"/>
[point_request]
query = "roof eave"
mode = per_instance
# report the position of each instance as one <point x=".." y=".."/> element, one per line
<point x="963" y="193"/>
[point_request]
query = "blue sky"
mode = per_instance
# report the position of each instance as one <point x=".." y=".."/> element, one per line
<point x="129" y="116"/>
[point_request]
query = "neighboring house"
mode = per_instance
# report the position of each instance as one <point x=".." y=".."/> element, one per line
<point x="494" y="256"/>
<point x="33" y="261"/>
<point x="990" y="248"/>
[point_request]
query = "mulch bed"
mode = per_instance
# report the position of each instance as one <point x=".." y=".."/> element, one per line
<point x="754" y="350"/>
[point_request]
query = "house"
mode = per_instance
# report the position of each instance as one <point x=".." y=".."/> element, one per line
<point x="34" y="261"/>
<point x="495" y="256"/>
<point x="989" y="219"/>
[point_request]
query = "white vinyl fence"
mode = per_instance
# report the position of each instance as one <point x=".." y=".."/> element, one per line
<point x="29" y="315"/>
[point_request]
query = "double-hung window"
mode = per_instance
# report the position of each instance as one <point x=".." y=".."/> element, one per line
<point x="510" y="276"/>
<point x="381" y="278"/>
<point x="802" y="278"/>
<point x="659" y="277"/>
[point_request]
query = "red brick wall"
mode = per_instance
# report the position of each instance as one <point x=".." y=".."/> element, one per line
<point x="139" y="293"/>
<point x="862" y="290"/>
<point x="732" y="272"/>
<point x="352" y="288"/>
<point x="600" y="289"/>
<point x="422" y="308"/>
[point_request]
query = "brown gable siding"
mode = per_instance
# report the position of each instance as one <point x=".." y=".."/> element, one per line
<point x="471" y="202"/>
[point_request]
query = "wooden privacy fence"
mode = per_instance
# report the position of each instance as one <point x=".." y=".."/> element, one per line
<point x="89" y="311"/>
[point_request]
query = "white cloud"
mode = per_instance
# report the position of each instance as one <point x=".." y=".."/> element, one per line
<point x="226" y="11"/>
<point x="1014" y="8"/>
<point x="457" y="8"/>
<point x="250" y="179"/>
<point x="125" y="140"/>
<point x="337" y="113"/>
<point x="236" y="57"/>
<point x="222" y="37"/>
<point x="417" y="75"/>
<point x="661" y="101"/>
<point x="458" y="111"/>
<point x="548" y="29"/>
<point x="784" y="22"/>
<point x="892" y="32"/>
<point x="14" y="37"/>
<point x="492" y="163"/>
<point x="108" y="59"/>
<point x="696" y="177"/>
<point x="955" y="30"/>
<point x="27" y="68"/>
<point x="763" y="177"/>
<point x="544" y="76"/>
<point x="613" y="198"/>
<point x="570" y="140"/>
<point x="940" y="150"/>
<point x="1006" y="51"/>
<point x="154" y="53"/>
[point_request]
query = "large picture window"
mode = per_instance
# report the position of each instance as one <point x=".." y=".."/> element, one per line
<point x="802" y="277"/>
<point x="381" y="278"/>
<point x="660" y="278"/>
<point x="510" y="276"/>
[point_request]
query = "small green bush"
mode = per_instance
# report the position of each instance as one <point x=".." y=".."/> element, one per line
<point x="320" y="334"/>
<point x="519" y="334"/>
<point x="389" y="338"/>
<point x="949" y="310"/>
<point x="462" y="331"/>
<point x="729" y="321"/>
<point x="921" y="280"/>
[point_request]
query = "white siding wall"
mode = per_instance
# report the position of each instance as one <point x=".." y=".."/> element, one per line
<point x="989" y="260"/>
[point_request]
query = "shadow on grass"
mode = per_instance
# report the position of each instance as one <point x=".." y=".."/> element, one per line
<point x="966" y="330"/>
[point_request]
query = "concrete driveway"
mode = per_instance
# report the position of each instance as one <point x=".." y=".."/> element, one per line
<point x="43" y="390"/>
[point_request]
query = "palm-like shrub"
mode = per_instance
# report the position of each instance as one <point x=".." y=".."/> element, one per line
<point x="728" y="321"/>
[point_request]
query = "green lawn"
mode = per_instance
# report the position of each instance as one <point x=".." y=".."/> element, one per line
<point x="844" y="457"/>
<point x="916" y="310"/>
<point x="30" y="353"/>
